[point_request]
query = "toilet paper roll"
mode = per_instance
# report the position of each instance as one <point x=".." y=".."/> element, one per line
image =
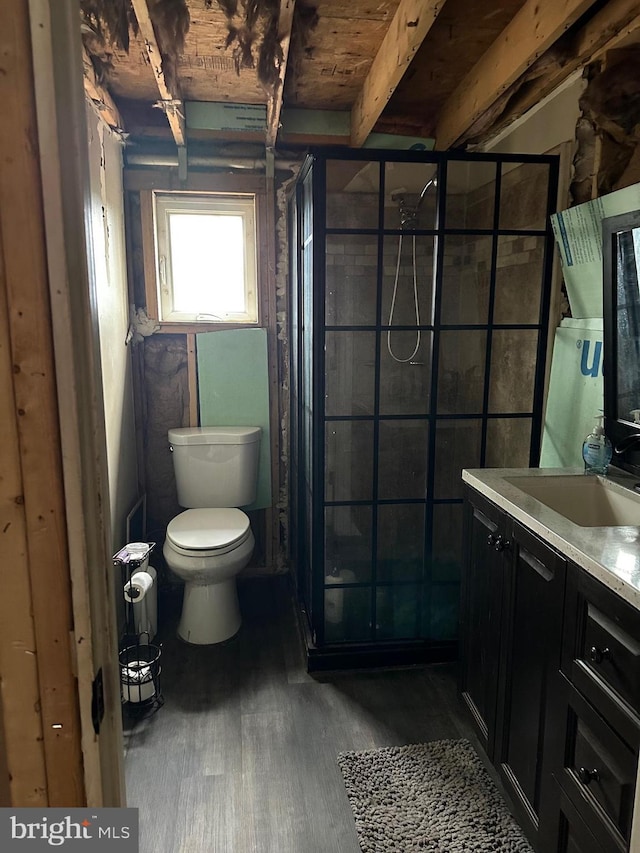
<point x="136" y="681"/>
<point x="136" y="589"/>
<point x="142" y="592"/>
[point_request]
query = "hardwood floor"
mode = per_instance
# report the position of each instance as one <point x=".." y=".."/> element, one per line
<point x="242" y="756"/>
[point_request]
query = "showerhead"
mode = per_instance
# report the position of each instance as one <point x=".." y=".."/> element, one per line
<point x="432" y="182"/>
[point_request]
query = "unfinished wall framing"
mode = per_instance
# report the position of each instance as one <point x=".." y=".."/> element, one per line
<point x="166" y="371"/>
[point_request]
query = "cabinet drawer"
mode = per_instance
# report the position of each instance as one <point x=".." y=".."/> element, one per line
<point x="570" y="833"/>
<point x="599" y="771"/>
<point x="601" y="641"/>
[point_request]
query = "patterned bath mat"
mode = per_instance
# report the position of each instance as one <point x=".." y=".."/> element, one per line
<point x="434" y="797"/>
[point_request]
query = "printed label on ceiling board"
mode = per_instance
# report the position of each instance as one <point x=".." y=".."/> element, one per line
<point x="210" y="116"/>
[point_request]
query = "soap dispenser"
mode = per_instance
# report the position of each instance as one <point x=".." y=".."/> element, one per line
<point x="597" y="450"/>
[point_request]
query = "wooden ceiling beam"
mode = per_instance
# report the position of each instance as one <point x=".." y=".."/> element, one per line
<point x="410" y="25"/>
<point x="615" y="22"/>
<point x="274" y="101"/>
<point x="170" y="101"/>
<point x="537" y="25"/>
<point x="98" y="95"/>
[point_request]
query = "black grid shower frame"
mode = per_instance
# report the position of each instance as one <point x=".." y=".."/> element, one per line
<point x="296" y="526"/>
<point x="317" y="513"/>
<point x="321" y="232"/>
<point x="305" y="400"/>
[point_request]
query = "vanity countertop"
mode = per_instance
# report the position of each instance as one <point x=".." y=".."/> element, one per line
<point x="610" y="554"/>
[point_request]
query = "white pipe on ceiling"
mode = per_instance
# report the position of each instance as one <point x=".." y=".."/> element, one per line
<point x="246" y="163"/>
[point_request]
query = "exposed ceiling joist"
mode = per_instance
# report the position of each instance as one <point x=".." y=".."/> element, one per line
<point x="528" y="35"/>
<point x="615" y="22"/>
<point x="274" y="102"/>
<point x="410" y="25"/>
<point x="170" y="101"/>
<point x="608" y="27"/>
<point x="99" y="96"/>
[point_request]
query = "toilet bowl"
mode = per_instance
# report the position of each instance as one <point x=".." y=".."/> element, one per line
<point x="209" y="543"/>
<point x="207" y="548"/>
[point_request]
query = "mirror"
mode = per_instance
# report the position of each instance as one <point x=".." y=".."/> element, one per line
<point x="621" y="302"/>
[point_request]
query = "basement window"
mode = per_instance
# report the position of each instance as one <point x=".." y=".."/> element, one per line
<point x="206" y="258"/>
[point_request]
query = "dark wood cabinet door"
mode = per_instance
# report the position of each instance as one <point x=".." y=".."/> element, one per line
<point x="530" y="660"/>
<point x="481" y="614"/>
<point x="570" y="833"/>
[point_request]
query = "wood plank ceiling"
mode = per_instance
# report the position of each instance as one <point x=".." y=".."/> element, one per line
<point x="451" y="70"/>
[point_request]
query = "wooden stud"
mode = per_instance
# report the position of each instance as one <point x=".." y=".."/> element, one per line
<point x="21" y="721"/>
<point x="35" y="414"/>
<point x="170" y="101"/>
<point x="192" y="374"/>
<point x="267" y="230"/>
<point x="149" y="254"/>
<point x="178" y="328"/>
<point x="410" y="25"/>
<point x="5" y="773"/>
<point x="99" y="96"/>
<point x="534" y="28"/>
<point x="274" y="102"/>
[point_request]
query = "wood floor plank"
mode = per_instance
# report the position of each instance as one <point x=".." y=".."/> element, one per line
<point x="242" y="757"/>
<point x="272" y="783"/>
<point x="154" y="768"/>
<point x="210" y="815"/>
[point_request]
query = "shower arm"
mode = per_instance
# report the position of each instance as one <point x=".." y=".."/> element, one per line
<point x="431" y="182"/>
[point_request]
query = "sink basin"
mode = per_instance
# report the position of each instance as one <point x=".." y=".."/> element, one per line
<point x="586" y="500"/>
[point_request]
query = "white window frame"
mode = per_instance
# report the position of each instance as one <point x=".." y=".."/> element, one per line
<point x="165" y="204"/>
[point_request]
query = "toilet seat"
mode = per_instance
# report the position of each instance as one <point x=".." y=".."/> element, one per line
<point x="208" y="532"/>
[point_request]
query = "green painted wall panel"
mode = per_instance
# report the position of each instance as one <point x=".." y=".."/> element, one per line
<point x="233" y="390"/>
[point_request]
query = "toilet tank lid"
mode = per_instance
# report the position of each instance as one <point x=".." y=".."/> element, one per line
<point x="215" y="435"/>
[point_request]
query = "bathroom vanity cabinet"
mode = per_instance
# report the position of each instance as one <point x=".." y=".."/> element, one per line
<point x="512" y="625"/>
<point x="550" y="671"/>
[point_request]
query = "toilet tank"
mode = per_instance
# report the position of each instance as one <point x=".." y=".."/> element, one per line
<point x="215" y="466"/>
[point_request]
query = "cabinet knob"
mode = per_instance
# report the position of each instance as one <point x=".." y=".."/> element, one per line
<point x="598" y="655"/>
<point x="586" y="776"/>
<point x="501" y="544"/>
<point x="491" y="540"/>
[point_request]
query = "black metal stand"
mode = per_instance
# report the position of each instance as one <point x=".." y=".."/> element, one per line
<point x="139" y="658"/>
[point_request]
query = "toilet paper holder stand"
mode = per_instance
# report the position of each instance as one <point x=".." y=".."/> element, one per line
<point x="139" y="658"/>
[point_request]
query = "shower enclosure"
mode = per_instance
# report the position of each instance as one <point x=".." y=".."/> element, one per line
<point x="419" y="315"/>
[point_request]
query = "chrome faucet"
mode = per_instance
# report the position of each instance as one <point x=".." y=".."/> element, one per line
<point x="627" y="442"/>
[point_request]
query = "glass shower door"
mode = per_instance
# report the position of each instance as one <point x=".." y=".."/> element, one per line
<point x="425" y="317"/>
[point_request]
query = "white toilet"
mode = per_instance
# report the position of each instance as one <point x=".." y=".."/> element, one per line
<point x="216" y="471"/>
